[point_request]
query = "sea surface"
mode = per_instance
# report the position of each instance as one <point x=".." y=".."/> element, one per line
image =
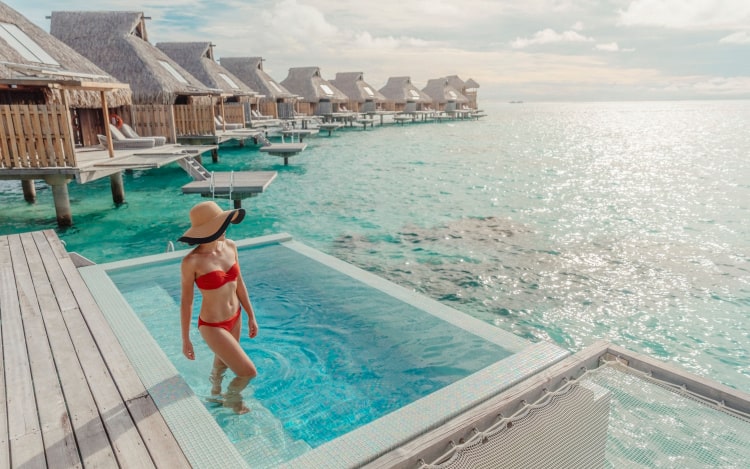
<point x="567" y="222"/>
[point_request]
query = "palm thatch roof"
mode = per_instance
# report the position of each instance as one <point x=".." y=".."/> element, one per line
<point x="250" y="71"/>
<point x="442" y="92"/>
<point x="307" y="83"/>
<point x="354" y="86"/>
<point x="198" y="59"/>
<point x="117" y="42"/>
<point x="400" y="90"/>
<point x="471" y="84"/>
<point x="56" y="64"/>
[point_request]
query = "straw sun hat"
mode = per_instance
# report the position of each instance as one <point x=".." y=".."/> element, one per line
<point x="208" y="222"/>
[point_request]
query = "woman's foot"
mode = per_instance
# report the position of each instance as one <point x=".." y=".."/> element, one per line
<point x="239" y="406"/>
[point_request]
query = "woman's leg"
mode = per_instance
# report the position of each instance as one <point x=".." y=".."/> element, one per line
<point x="227" y="348"/>
<point x="217" y="376"/>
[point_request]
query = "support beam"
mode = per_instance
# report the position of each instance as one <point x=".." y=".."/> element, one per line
<point x="118" y="188"/>
<point x="29" y="191"/>
<point x="59" y="184"/>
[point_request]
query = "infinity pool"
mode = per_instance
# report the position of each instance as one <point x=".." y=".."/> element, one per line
<point x="334" y="352"/>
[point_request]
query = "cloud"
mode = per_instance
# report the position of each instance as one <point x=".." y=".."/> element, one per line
<point x="549" y="36"/>
<point x="366" y="41"/>
<point x="688" y="14"/>
<point x="612" y="47"/>
<point x="740" y="37"/>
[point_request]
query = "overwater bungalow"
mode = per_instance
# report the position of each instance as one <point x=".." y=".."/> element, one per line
<point x="167" y="99"/>
<point x="444" y="96"/>
<point x="468" y="88"/>
<point x="318" y="97"/>
<point x="274" y="100"/>
<point x="403" y="96"/>
<point x="53" y="103"/>
<point x="362" y="96"/>
<point x="198" y="59"/>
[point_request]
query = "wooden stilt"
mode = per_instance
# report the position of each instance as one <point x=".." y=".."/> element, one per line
<point x="237" y="203"/>
<point x="215" y="155"/>
<point x="59" y="184"/>
<point x="118" y="188"/>
<point x="29" y="191"/>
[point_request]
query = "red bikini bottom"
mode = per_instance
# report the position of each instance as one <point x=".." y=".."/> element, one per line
<point x="228" y="324"/>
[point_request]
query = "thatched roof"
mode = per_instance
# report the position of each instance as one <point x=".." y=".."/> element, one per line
<point x="59" y="64"/>
<point x="400" y="90"/>
<point x="470" y="83"/>
<point x="198" y="59"/>
<point x="307" y="83"/>
<point x="354" y="86"/>
<point x="250" y="71"/>
<point x="117" y="42"/>
<point x="442" y="92"/>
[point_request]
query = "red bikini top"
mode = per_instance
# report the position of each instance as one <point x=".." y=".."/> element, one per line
<point x="217" y="278"/>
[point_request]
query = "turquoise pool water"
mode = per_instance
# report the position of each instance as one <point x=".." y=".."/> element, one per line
<point x="333" y="354"/>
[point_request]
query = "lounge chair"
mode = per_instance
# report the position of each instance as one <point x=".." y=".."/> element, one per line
<point x="221" y="125"/>
<point x="257" y="115"/>
<point x="130" y="133"/>
<point x="121" y="142"/>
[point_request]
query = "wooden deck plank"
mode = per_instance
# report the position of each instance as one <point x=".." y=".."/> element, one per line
<point x="93" y="444"/>
<point x="7" y="283"/>
<point x="157" y="436"/>
<point x="26" y="445"/>
<point x="42" y="328"/>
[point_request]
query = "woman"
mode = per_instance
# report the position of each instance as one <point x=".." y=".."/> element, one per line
<point x="214" y="267"/>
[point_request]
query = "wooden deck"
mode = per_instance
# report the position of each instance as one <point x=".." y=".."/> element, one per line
<point x="71" y="397"/>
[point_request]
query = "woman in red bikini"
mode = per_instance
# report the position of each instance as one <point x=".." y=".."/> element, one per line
<point x="214" y="267"/>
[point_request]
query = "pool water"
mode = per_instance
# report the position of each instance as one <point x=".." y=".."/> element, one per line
<point x="332" y="354"/>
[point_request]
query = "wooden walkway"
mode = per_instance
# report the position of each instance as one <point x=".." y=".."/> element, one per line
<point x="71" y="397"/>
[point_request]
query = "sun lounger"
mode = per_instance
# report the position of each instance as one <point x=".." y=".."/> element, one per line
<point x="221" y="125"/>
<point x="257" y="115"/>
<point x="130" y="133"/>
<point x="121" y="142"/>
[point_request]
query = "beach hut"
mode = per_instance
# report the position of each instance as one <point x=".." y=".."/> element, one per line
<point x="52" y="102"/>
<point x="403" y="96"/>
<point x="167" y="99"/>
<point x="198" y="59"/>
<point x="316" y="96"/>
<point x="274" y="99"/>
<point x="362" y="96"/>
<point x="444" y="96"/>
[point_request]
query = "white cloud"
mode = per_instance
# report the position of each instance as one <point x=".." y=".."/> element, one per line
<point x="366" y="41"/>
<point x="609" y="47"/>
<point x="548" y="36"/>
<point x="740" y="37"/>
<point x="578" y="26"/>
<point x="688" y="14"/>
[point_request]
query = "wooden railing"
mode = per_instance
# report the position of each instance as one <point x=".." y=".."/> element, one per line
<point x="151" y="120"/>
<point x="194" y="119"/>
<point x="35" y="136"/>
<point x="233" y="113"/>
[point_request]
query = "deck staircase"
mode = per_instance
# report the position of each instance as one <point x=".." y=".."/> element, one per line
<point x="263" y="140"/>
<point x="194" y="169"/>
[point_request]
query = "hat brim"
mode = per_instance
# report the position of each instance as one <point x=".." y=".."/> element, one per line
<point x="212" y="230"/>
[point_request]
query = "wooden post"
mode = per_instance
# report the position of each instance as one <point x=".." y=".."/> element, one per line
<point x="105" y="112"/>
<point x="215" y="155"/>
<point x="237" y="203"/>
<point x="29" y="191"/>
<point x="59" y="184"/>
<point x="118" y="188"/>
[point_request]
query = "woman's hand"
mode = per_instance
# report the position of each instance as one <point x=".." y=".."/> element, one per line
<point x="253" y="328"/>
<point x="187" y="350"/>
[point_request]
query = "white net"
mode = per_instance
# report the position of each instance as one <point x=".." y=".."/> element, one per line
<point x="567" y="428"/>
<point x="652" y="426"/>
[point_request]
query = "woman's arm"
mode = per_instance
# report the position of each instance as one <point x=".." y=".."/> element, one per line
<point x="244" y="298"/>
<point x="186" y="306"/>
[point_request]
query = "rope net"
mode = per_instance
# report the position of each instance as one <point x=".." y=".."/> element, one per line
<point x="611" y="417"/>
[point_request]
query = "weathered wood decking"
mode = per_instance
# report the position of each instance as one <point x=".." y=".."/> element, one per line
<point x="70" y="396"/>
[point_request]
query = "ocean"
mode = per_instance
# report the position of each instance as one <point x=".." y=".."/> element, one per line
<point x="566" y="222"/>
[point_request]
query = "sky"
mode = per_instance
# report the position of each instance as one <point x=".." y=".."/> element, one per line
<point x="530" y="50"/>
